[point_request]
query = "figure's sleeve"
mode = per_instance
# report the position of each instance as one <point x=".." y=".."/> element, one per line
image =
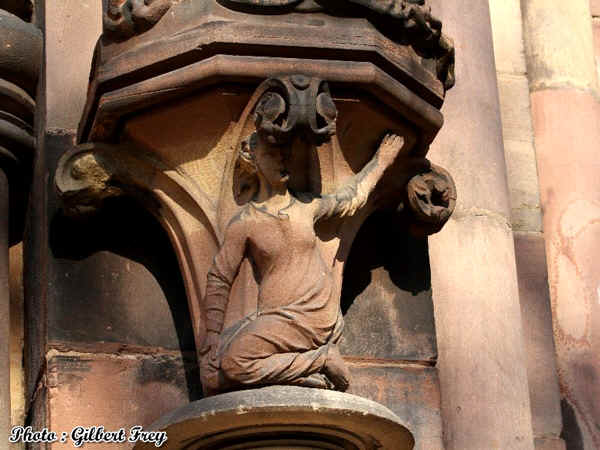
<point x="222" y="274"/>
<point x="357" y="191"/>
<point x="346" y="201"/>
<point x="351" y="197"/>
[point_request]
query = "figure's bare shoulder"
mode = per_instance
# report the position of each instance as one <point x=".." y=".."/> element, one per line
<point x="240" y="224"/>
<point x="312" y="202"/>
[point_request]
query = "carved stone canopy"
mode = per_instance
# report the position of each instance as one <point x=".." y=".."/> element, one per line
<point x="200" y="44"/>
<point x="408" y="22"/>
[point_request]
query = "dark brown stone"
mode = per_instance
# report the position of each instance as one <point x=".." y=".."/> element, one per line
<point x="21" y="52"/>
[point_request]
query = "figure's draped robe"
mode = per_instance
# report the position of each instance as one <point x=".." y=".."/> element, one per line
<point x="298" y="315"/>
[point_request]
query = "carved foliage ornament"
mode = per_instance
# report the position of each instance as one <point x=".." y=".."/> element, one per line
<point x="126" y="18"/>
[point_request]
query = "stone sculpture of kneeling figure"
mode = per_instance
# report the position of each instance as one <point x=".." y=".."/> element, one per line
<point x="292" y="337"/>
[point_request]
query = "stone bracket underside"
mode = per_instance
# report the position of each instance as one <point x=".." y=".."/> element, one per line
<point x="245" y="69"/>
<point x="408" y="22"/>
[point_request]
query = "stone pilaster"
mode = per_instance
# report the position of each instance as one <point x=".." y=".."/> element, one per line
<point x="526" y="218"/>
<point x="482" y="362"/>
<point x="565" y="109"/>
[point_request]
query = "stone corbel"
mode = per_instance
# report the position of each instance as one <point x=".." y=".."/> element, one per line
<point x="281" y="110"/>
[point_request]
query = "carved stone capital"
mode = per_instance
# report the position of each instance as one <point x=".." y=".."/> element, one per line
<point x="203" y="113"/>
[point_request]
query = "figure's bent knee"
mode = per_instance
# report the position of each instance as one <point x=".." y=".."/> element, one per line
<point x="234" y="369"/>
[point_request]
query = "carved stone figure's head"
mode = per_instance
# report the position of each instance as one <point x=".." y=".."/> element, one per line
<point x="259" y="161"/>
<point x="265" y="160"/>
<point x="290" y="106"/>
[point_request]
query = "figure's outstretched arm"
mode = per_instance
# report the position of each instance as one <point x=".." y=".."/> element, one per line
<point x="355" y="193"/>
<point x="220" y="278"/>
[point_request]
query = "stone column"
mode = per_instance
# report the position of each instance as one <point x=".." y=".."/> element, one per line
<point x="526" y="217"/>
<point x="482" y="363"/>
<point x="4" y="315"/>
<point x="20" y="54"/>
<point x="565" y="109"/>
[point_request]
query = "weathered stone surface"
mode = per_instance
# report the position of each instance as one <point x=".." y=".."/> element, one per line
<point x="526" y="219"/>
<point x="520" y="152"/>
<point x="87" y="389"/>
<point x="549" y="444"/>
<point x="567" y="135"/>
<point x="481" y="361"/>
<point x="113" y="281"/>
<point x="478" y="321"/>
<point x="386" y="295"/>
<point x="4" y="311"/>
<point x="596" y="31"/>
<point x="538" y="335"/>
<point x="526" y="213"/>
<point x="20" y="53"/>
<point x="66" y="89"/>
<point x="507" y="30"/>
<point x="17" y="398"/>
<point x="283" y="417"/>
<point x="471" y="109"/>
<point x="21" y="8"/>
<point x="125" y="78"/>
<point x="411" y="392"/>
<point x="555" y="24"/>
<point x="595" y="8"/>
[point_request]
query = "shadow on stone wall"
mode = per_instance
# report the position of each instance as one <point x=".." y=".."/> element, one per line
<point x="386" y="296"/>
<point x="116" y="279"/>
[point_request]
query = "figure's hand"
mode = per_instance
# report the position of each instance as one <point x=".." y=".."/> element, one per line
<point x="390" y="148"/>
<point x="209" y="365"/>
<point x="210" y="347"/>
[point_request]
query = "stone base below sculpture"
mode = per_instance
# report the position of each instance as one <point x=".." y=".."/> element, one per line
<point x="283" y="417"/>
